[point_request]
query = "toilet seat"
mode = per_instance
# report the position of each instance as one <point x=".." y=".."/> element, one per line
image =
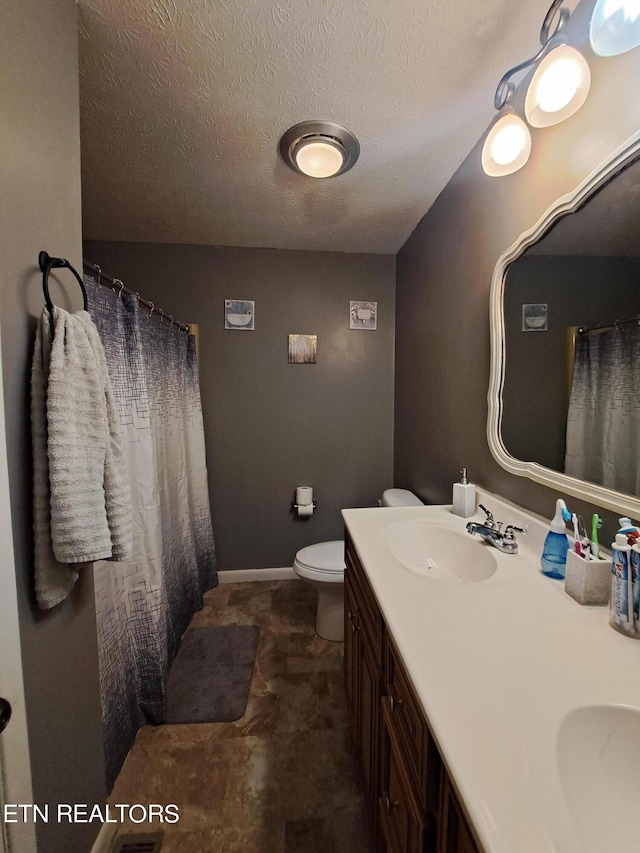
<point x="322" y="561"/>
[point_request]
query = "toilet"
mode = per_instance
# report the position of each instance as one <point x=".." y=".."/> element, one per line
<point x="323" y="566"/>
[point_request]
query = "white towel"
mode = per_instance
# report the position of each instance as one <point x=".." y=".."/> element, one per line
<point x="82" y="509"/>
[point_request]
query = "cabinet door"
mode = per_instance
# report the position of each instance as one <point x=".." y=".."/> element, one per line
<point x="352" y="662"/>
<point x="402" y="818"/>
<point x="362" y="685"/>
<point x="369" y="700"/>
<point x="455" y="836"/>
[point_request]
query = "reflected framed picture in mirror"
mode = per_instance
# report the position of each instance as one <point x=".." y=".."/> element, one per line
<point x="534" y="317"/>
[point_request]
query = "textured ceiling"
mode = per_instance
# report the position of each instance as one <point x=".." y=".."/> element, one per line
<point x="183" y="103"/>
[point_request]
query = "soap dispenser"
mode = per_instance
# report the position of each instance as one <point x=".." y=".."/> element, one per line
<point x="556" y="544"/>
<point x="464" y="497"/>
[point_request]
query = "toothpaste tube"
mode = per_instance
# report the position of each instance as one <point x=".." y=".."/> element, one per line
<point x="621" y="607"/>
<point x="635" y="575"/>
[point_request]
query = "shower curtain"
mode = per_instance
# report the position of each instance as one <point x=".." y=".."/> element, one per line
<point x="144" y="605"/>
<point x="603" y="424"/>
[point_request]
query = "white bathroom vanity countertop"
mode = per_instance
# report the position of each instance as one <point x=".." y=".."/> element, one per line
<point x="497" y="666"/>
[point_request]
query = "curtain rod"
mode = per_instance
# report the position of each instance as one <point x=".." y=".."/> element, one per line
<point x="112" y="283"/>
<point x="597" y="329"/>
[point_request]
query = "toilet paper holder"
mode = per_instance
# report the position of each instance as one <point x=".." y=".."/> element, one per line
<point x="303" y="504"/>
<point x="295" y="505"/>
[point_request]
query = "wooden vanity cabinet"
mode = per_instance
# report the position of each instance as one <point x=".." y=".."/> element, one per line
<point x="411" y="801"/>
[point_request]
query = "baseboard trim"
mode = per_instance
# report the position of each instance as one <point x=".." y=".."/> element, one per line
<point x="235" y="575"/>
<point x="105" y="837"/>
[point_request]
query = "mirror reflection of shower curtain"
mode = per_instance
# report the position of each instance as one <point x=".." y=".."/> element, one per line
<point x="143" y="606"/>
<point x="603" y="425"/>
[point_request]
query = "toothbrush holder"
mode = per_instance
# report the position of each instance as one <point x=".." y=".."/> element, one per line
<point x="588" y="581"/>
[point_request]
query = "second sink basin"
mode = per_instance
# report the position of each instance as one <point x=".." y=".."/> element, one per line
<point x="439" y="553"/>
<point x="598" y="754"/>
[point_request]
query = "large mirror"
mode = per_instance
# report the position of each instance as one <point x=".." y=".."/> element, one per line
<point x="564" y="403"/>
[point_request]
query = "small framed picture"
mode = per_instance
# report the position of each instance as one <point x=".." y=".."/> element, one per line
<point x="239" y="314"/>
<point x="363" y="315"/>
<point x="303" y="349"/>
<point x="534" y="317"/>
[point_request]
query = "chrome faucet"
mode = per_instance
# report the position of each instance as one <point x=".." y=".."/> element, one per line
<point x="491" y="532"/>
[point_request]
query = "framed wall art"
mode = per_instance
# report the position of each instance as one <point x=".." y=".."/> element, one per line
<point x="303" y="349"/>
<point x="363" y="315"/>
<point x="239" y="314"/>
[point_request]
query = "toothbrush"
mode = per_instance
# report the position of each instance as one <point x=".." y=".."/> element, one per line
<point x="596" y="524"/>
<point x="576" y="534"/>
<point x="585" y="545"/>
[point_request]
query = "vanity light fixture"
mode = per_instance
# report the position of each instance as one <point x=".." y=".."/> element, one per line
<point x="319" y="149"/>
<point x="615" y="26"/>
<point x="558" y="88"/>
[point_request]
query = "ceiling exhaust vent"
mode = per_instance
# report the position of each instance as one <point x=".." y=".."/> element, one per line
<point x="150" y="843"/>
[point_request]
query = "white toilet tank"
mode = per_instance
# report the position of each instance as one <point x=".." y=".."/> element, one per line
<point x="400" y="497"/>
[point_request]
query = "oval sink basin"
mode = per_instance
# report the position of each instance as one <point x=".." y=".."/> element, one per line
<point x="598" y="755"/>
<point x="439" y="553"/>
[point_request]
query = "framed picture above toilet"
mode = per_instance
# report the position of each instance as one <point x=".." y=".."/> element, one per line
<point x="363" y="315"/>
<point x="239" y="314"/>
<point x="303" y="349"/>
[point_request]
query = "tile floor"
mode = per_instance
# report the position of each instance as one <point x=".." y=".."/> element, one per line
<point x="283" y="778"/>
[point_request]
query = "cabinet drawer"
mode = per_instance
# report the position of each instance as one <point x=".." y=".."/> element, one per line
<point x="420" y="749"/>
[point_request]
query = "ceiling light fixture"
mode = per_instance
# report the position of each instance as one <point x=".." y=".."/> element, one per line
<point x="615" y="26"/>
<point x="558" y="88"/>
<point x="319" y="149"/>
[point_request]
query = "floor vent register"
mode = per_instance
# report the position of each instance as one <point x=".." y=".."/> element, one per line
<point x="138" y="843"/>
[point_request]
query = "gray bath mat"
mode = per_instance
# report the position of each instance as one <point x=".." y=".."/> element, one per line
<point x="211" y="674"/>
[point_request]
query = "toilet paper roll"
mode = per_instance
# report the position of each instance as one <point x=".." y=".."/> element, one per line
<point x="304" y="495"/>
<point x="305" y="510"/>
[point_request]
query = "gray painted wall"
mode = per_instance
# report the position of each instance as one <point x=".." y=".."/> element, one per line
<point x="271" y="425"/>
<point x="444" y="276"/>
<point x="40" y="179"/>
<point x="579" y="291"/>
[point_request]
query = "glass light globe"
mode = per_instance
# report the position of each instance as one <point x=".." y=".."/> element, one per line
<point x="319" y="159"/>
<point x="558" y="84"/>
<point x="630" y="9"/>
<point x="558" y="88"/>
<point x="507" y="146"/>
<point x="615" y="26"/>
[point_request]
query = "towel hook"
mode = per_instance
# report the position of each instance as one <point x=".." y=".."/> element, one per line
<point x="47" y="263"/>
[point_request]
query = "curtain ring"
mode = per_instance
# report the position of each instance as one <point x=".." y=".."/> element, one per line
<point x="137" y="299"/>
<point x="171" y="318"/>
<point x="119" y="281"/>
<point x="152" y="308"/>
<point x="161" y="314"/>
<point x="97" y="266"/>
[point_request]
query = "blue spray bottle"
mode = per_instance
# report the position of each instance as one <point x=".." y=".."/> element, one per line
<point x="556" y="545"/>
